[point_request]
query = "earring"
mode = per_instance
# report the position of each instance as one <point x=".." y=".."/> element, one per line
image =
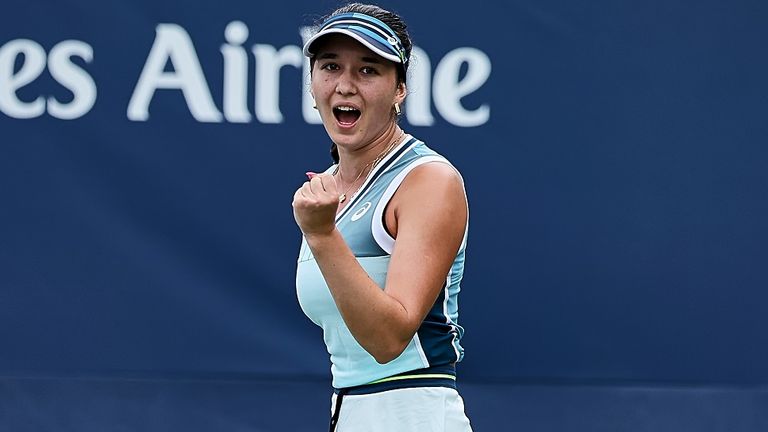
<point x="397" y="109"/>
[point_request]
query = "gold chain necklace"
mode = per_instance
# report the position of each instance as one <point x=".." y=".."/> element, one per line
<point x="368" y="167"/>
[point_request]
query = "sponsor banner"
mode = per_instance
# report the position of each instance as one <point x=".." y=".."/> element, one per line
<point x="613" y="156"/>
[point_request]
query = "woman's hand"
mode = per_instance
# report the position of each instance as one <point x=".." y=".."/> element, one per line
<point x="315" y="204"/>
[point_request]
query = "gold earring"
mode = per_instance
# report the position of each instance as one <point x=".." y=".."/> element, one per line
<point x="397" y="108"/>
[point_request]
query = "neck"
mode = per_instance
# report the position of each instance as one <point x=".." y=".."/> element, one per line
<point x="352" y="186"/>
<point x="352" y="162"/>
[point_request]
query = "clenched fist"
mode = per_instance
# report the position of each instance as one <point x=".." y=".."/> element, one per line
<point x="315" y="204"/>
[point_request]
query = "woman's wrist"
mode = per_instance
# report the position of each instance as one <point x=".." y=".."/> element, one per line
<point x="317" y="239"/>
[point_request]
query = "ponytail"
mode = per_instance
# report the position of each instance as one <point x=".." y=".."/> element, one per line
<point x="334" y="153"/>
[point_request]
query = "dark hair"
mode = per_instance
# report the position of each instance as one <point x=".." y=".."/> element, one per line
<point x="395" y="22"/>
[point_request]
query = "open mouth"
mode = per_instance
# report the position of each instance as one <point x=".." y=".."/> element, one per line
<point x="346" y="115"/>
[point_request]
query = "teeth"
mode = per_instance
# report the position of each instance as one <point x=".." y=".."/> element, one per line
<point x="345" y="108"/>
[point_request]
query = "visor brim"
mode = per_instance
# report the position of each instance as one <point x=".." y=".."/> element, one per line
<point x="363" y="38"/>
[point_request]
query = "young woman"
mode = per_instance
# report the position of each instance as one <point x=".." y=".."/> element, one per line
<point x="384" y="232"/>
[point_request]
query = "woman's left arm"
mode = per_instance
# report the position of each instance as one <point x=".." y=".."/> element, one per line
<point x="427" y="216"/>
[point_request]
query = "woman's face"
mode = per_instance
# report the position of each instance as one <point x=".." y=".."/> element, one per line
<point x="355" y="90"/>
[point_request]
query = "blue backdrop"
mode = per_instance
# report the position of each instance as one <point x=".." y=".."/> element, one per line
<point x="615" y="159"/>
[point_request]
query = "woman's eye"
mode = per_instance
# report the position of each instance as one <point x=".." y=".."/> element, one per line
<point x="330" y="66"/>
<point x="368" y="70"/>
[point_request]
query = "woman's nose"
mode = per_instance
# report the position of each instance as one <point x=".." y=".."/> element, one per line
<point x="346" y="84"/>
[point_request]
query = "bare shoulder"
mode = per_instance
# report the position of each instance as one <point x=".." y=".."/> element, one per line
<point x="431" y="194"/>
<point x="435" y="174"/>
<point x="433" y="181"/>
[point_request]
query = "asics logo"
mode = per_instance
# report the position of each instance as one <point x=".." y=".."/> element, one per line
<point x="361" y="211"/>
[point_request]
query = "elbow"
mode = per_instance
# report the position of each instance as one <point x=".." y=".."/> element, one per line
<point x="386" y="354"/>
<point x="386" y="357"/>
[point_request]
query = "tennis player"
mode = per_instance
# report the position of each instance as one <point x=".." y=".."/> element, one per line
<point x="384" y="233"/>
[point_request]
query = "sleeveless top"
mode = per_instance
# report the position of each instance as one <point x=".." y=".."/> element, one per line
<point x="436" y="344"/>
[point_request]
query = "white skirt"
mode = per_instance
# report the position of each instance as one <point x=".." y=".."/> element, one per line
<point x="420" y="409"/>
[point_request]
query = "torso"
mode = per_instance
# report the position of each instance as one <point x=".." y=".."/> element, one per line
<point x="367" y="221"/>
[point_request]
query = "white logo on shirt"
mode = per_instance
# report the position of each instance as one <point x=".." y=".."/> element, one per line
<point x="361" y="211"/>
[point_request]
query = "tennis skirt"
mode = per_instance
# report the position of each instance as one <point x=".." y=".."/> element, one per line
<point x="417" y="409"/>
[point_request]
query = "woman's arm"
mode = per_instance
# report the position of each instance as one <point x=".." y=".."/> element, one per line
<point x="427" y="216"/>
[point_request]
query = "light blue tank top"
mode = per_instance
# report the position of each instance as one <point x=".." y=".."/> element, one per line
<point x="437" y="342"/>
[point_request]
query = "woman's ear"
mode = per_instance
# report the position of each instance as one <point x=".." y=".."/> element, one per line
<point x="401" y="93"/>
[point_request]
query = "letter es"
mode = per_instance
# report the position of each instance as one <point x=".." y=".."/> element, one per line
<point x="62" y="69"/>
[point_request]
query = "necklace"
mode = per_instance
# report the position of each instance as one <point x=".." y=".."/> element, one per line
<point x="368" y="168"/>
